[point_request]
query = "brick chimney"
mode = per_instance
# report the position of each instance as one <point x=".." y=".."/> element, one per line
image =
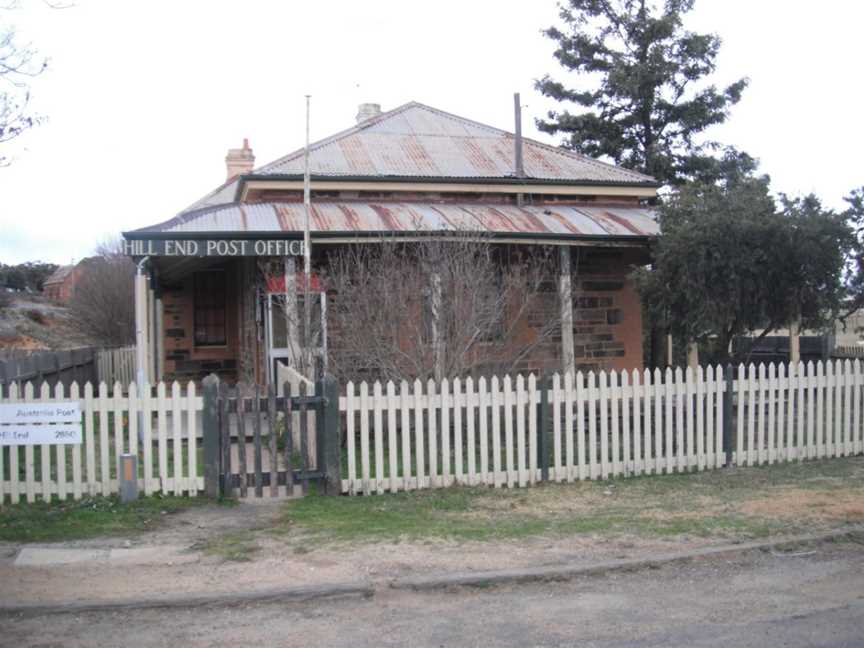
<point x="367" y="111"/>
<point x="239" y="161"/>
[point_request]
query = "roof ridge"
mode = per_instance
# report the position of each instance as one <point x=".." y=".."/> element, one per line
<point x="356" y="128"/>
<point x="458" y="118"/>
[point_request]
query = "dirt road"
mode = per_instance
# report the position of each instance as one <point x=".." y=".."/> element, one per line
<point x="804" y="598"/>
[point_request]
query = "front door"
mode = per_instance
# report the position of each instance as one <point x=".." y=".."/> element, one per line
<point x="284" y="333"/>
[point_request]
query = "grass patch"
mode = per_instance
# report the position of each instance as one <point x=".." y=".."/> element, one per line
<point x="88" y="518"/>
<point x="744" y="503"/>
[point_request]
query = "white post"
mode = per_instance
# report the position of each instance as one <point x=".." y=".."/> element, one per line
<point x="307" y="255"/>
<point x="151" y="334"/>
<point x="565" y="292"/>
<point x="141" y="324"/>
<point x="693" y="356"/>
<point x="291" y="315"/>
<point x="794" y="343"/>
<point x="160" y="339"/>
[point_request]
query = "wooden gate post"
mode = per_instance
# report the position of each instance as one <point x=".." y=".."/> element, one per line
<point x="210" y="421"/>
<point x="544" y="426"/>
<point x="728" y="395"/>
<point x="330" y="436"/>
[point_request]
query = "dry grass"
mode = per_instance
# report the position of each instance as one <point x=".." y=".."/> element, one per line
<point x="733" y="504"/>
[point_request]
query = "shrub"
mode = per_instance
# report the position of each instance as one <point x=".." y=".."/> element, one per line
<point x="36" y="316"/>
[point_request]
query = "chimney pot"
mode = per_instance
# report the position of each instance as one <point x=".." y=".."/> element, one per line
<point x="367" y="111"/>
<point x="239" y="160"/>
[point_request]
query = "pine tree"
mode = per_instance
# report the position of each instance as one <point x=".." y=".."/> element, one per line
<point x="641" y="87"/>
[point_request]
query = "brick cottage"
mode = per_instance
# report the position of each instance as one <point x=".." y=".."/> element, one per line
<point x="413" y="172"/>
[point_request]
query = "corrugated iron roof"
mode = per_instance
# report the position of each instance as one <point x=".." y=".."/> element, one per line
<point x="220" y="196"/>
<point x="59" y="275"/>
<point x="379" y="217"/>
<point x="416" y="140"/>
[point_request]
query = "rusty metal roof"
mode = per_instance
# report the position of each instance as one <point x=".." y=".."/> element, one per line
<point x="360" y="218"/>
<point x="59" y="275"/>
<point x="416" y="140"/>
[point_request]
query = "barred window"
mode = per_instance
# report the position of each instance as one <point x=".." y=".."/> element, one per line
<point x="210" y="308"/>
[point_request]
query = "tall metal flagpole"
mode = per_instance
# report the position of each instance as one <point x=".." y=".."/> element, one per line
<point x="307" y="252"/>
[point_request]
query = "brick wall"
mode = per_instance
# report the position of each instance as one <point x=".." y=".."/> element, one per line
<point x="183" y="359"/>
<point x="607" y="321"/>
<point x="607" y="314"/>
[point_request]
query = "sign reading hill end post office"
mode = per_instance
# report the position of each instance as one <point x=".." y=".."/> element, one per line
<point x="37" y="423"/>
<point x="214" y="247"/>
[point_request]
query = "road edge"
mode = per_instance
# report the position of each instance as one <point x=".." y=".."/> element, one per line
<point x="430" y="582"/>
<point x="181" y="601"/>
<point x="570" y="572"/>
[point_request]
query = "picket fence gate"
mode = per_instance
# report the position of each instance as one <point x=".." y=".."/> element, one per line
<point x="516" y="432"/>
<point x="166" y="445"/>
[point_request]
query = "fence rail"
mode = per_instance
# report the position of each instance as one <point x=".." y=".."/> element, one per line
<point x="159" y="424"/>
<point x="515" y="431"/>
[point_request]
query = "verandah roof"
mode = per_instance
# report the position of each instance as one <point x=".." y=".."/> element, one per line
<point x="374" y="218"/>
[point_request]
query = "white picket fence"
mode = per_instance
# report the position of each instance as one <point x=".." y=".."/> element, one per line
<point x="167" y="446"/>
<point x="116" y="365"/>
<point x="602" y="425"/>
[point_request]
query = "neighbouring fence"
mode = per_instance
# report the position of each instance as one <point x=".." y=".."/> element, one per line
<point x="159" y="424"/>
<point x="515" y="432"/>
<point x="848" y="352"/>
<point x="116" y="365"/>
<point x="64" y="367"/>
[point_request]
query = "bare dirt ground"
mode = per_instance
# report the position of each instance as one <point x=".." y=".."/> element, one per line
<point x="274" y="563"/>
<point x="31" y="323"/>
<point x="263" y="544"/>
<point x="794" y="599"/>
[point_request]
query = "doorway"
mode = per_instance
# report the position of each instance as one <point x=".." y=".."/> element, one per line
<point x="285" y="334"/>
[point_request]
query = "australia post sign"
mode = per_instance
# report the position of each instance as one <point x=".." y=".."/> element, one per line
<point x="35" y="423"/>
<point x="213" y="247"/>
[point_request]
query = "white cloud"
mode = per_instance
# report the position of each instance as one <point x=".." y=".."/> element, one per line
<point x="144" y="98"/>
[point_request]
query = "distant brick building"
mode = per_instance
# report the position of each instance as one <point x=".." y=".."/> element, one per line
<point x="409" y="172"/>
<point x="60" y="286"/>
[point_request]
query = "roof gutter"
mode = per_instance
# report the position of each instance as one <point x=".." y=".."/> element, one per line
<point x="386" y="235"/>
<point x="283" y="177"/>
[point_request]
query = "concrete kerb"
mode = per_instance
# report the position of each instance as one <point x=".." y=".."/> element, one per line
<point x="183" y="601"/>
<point x="570" y="572"/>
<point x="425" y="583"/>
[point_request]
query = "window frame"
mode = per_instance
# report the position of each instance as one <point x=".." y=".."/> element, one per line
<point x="214" y="306"/>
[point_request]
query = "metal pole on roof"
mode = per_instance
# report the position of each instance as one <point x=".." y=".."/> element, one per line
<point x="307" y="253"/>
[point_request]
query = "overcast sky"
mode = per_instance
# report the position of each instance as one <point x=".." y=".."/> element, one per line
<point x="143" y="99"/>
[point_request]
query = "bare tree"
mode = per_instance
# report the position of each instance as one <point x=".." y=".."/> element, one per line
<point x="18" y="65"/>
<point x="102" y="306"/>
<point x="438" y="308"/>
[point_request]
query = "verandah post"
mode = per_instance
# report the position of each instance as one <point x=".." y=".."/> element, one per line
<point x="330" y="436"/>
<point x="544" y="426"/>
<point x="210" y="426"/>
<point x="728" y="395"/>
